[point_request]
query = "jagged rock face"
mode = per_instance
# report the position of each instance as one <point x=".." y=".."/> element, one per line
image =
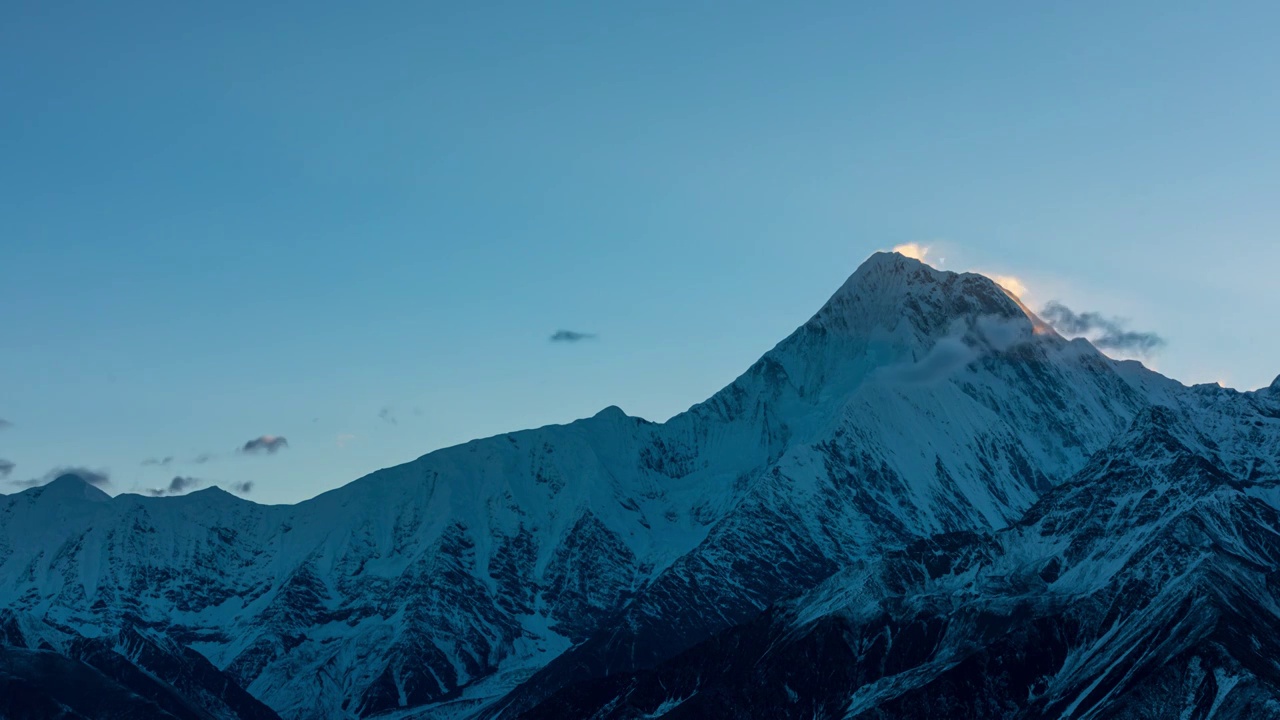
<point x="48" y="671"/>
<point x="920" y="489"/>
<point x="1147" y="586"/>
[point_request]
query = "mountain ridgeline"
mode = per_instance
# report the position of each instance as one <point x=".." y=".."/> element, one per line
<point x="923" y="503"/>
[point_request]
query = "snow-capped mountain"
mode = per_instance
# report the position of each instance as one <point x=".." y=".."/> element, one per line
<point x="924" y="502"/>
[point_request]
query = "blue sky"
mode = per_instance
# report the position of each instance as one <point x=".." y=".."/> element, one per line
<point x="224" y="221"/>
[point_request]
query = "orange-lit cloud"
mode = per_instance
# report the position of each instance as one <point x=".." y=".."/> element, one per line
<point x="1010" y="283"/>
<point x="912" y="250"/>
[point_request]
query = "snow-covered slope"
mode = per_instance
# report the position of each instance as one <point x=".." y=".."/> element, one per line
<point x="1147" y="586"/>
<point x="508" y="574"/>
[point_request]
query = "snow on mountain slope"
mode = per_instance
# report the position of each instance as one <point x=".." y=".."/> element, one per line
<point x="879" y="452"/>
<point x="1146" y="586"/>
<point x="485" y="577"/>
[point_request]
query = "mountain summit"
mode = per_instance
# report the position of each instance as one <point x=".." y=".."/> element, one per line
<point x="890" y="288"/>
<point x="68" y="486"/>
<point x="916" y="505"/>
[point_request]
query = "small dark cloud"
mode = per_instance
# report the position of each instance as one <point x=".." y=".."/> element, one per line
<point x="177" y="485"/>
<point x="387" y="415"/>
<point x="267" y="443"/>
<point x="6" y="468"/>
<point x="571" y="336"/>
<point x="1143" y="343"/>
<point x="244" y="488"/>
<point x="159" y="462"/>
<point x="202" y="458"/>
<point x="5" y="424"/>
<point x="1106" y="333"/>
<point x="98" y="478"/>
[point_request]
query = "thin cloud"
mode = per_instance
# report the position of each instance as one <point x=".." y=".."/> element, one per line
<point x="5" y="424"/>
<point x="571" y="336"/>
<point x="158" y="462"/>
<point x="6" y="468"/>
<point x="269" y="444"/>
<point x="344" y="438"/>
<point x="1106" y="333"/>
<point x="97" y="478"/>
<point x="202" y="458"/>
<point x="244" y="488"/>
<point x="387" y="415"/>
<point x="945" y="357"/>
<point x="177" y="485"/>
<point x="987" y="335"/>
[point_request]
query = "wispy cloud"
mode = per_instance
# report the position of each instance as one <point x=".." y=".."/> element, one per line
<point x="158" y="462"/>
<point x="203" y="458"/>
<point x="945" y="357"/>
<point x="98" y="478"/>
<point x="965" y="343"/>
<point x="5" y="424"/>
<point x="344" y="438"/>
<point x="269" y="444"/>
<point x="1107" y="333"/>
<point x="387" y="415"/>
<point x="244" y="488"/>
<point x="571" y="336"/>
<point x="6" y="468"/>
<point x="177" y="485"/>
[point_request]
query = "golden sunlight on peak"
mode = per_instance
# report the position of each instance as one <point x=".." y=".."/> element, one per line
<point x="1010" y="283"/>
<point x="915" y="251"/>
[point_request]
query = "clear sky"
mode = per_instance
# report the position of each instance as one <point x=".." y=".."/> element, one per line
<point x="226" y="220"/>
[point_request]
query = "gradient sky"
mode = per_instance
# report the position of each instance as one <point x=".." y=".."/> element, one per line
<point x="224" y="220"/>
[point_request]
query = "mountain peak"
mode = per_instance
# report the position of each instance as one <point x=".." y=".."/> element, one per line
<point x="889" y="287"/>
<point x="70" y="486"/>
<point x="613" y="411"/>
<point x="888" y="266"/>
<point x="891" y="260"/>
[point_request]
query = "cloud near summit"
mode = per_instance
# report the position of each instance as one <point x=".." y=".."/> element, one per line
<point x="915" y="251"/>
<point x="965" y="343"/>
<point x="97" y="478"/>
<point x="1010" y="283"/>
<point x="1106" y="333"/>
